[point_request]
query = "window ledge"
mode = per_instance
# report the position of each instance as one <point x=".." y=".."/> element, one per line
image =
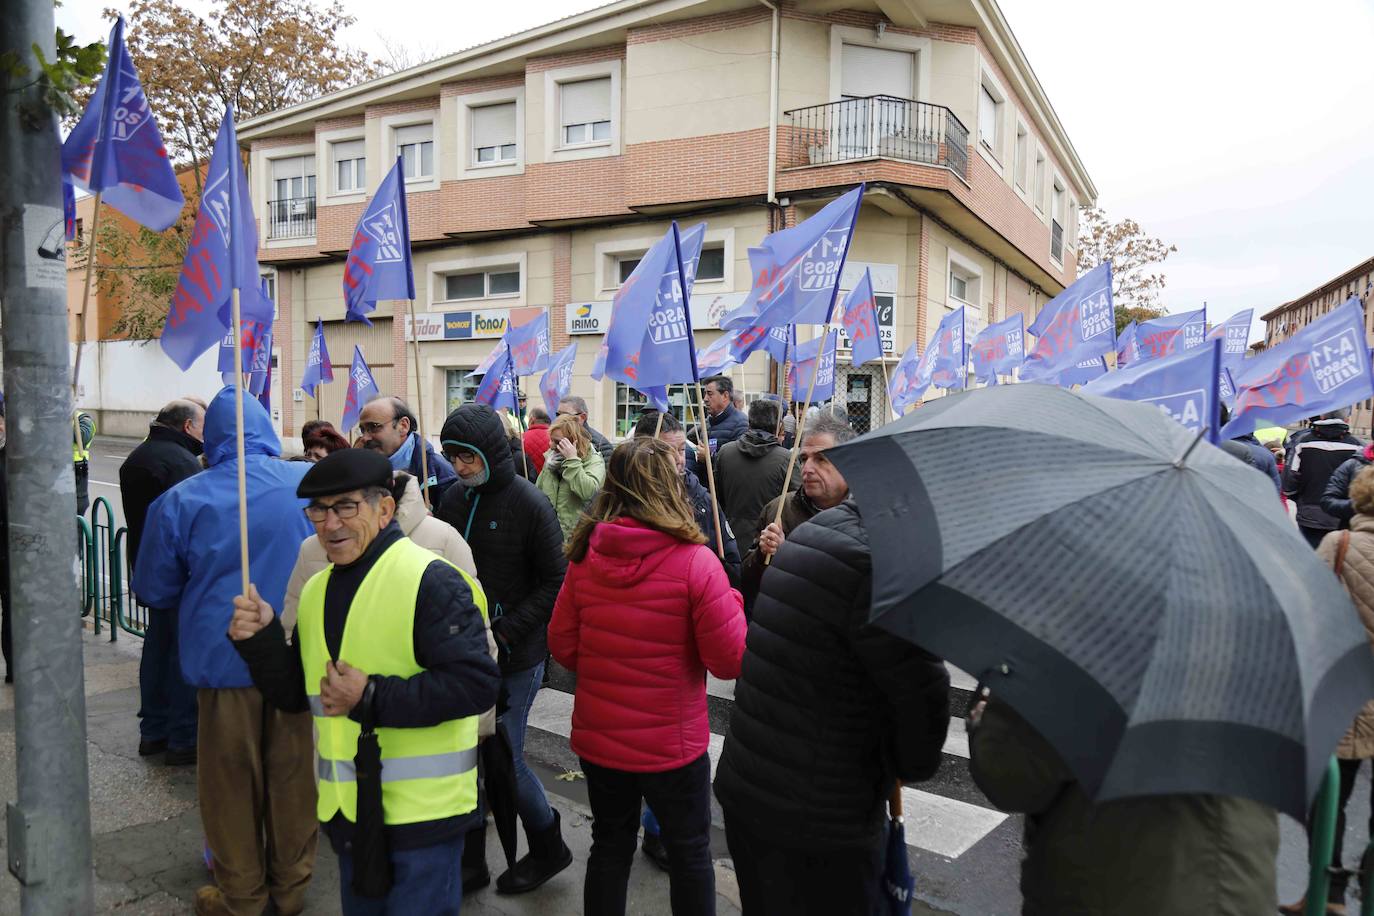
<point x="502" y="164"/>
<point x="990" y="156"/>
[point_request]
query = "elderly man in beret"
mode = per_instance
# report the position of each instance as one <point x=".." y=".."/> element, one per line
<point x="391" y="636"/>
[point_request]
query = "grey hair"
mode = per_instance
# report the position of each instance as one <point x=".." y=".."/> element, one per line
<point x="827" y="424"/>
<point x="177" y="414"/>
<point x="576" y="401"/>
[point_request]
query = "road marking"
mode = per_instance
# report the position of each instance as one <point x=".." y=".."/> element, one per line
<point x="101" y="483"/>
<point x="944" y="826"/>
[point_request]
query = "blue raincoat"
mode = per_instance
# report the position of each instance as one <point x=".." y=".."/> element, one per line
<point x="189" y="557"/>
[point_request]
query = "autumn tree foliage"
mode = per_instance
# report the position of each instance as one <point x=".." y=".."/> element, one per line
<point x="1136" y="282"/>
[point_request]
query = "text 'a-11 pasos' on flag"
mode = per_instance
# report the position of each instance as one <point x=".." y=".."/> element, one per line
<point x="222" y="255"/>
<point x="796" y="272"/>
<point x="529" y="345"/>
<point x="860" y="319"/>
<point x="950" y="365"/>
<point x="649" y="342"/>
<point x="362" y="387"/>
<point x="556" y="382"/>
<point x="1074" y="326"/>
<point x="497" y="389"/>
<point x="378" y="265"/>
<point x="1182" y="386"/>
<point x="116" y="148"/>
<point x="1325" y="366"/>
<point x="816" y="360"/>
<point x="317" y="367"/>
<point x="906" y="388"/>
<point x="1170" y="334"/>
<point x="1234" y="334"/>
<point x="999" y="349"/>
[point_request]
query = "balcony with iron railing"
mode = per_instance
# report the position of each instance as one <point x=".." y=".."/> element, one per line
<point x="877" y="126"/>
<point x="291" y="218"/>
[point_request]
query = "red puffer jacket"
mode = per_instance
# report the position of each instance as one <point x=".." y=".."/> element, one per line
<point x="641" y="620"/>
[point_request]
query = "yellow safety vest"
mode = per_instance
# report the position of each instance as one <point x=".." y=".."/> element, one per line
<point x="427" y="773"/>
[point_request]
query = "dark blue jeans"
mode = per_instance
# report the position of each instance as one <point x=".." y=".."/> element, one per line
<point x="427" y="880"/>
<point x="167" y="708"/>
<point x="530" y="800"/>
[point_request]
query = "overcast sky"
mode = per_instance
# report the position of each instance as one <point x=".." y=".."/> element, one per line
<point x="1237" y="131"/>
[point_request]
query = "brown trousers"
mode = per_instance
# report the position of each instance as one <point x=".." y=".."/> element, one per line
<point x="256" y="780"/>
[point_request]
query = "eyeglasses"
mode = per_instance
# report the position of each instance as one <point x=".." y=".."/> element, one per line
<point x="372" y="429"/>
<point x="343" y="509"/>
<point x="462" y="456"/>
<point x="566" y="413"/>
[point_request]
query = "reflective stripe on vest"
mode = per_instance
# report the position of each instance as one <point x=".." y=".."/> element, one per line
<point x="427" y="773"/>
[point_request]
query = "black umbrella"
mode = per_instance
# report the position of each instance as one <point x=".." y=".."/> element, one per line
<point x="371" y="858"/>
<point x="498" y="779"/>
<point x="1138" y="596"/>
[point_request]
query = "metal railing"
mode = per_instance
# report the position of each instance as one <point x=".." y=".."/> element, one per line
<point x="291" y="218"/>
<point x="879" y="126"/>
<point x="105" y="573"/>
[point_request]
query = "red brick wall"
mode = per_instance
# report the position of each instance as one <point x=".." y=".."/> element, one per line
<point x="339" y="123"/>
<point x="700" y="26"/>
<point x="922" y="282"/>
<point x="582" y="187"/>
<point x="699" y="168"/>
<point x="573" y="58"/>
<point x="505" y="81"/>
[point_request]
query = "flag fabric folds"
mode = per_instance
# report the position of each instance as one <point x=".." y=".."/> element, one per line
<point x="1126" y="350"/>
<point x="116" y="148"/>
<point x="800" y="373"/>
<point x="556" y="382"/>
<point x="1234" y="334"/>
<point x="716" y="356"/>
<point x="903" y="390"/>
<point x="1183" y="386"/>
<point x="69" y="208"/>
<point x="860" y="319"/>
<point x="498" y="384"/>
<point x="1171" y="334"/>
<point x="657" y="395"/>
<point x="378" y="265"/>
<point x="489" y="360"/>
<point x="362" y="387"/>
<point x="317" y="367"/>
<point x="999" y="349"/>
<point x="1074" y="326"/>
<point x="796" y="271"/>
<point x="1324" y="366"/>
<point x="221" y="254"/>
<point x="529" y="345"/>
<point x="950" y="365"/>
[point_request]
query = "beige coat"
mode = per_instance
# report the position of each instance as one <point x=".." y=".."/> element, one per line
<point x="422" y="528"/>
<point x="1357" y="575"/>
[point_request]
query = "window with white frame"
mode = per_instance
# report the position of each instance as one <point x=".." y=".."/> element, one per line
<point x="1057" y="198"/>
<point x="867" y="71"/>
<point x="293" y="178"/>
<point x="1038" y="191"/>
<point x="625" y="265"/>
<point x="492" y="283"/>
<point x="1071" y="226"/>
<point x="990" y="102"/>
<point x="965" y="285"/>
<point x="415" y="146"/>
<point x="350" y="166"/>
<point x="494" y="134"/>
<point x="711" y="264"/>
<point x="1022" y="162"/>
<point x="459" y="389"/>
<point x="584" y="109"/>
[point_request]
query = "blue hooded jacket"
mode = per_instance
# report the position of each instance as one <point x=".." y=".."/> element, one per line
<point x="189" y="557"/>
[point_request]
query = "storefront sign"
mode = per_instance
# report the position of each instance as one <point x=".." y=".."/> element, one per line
<point x="707" y="310"/>
<point x="469" y="325"/>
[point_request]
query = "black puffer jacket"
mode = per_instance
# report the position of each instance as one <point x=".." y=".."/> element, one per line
<point x="514" y="535"/>
<point x="749" y="473"/>
<point x="1336" y="496"/>
<point x="700" y="498"/>
<point x="828" y="710"/>
<point x="724" y="428"/>
<point x="1309" y="470"/>
<point x="163" y="460"/>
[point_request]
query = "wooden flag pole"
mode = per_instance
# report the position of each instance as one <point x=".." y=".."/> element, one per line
<point x="887" y="385"/>
<point x="419" y="408"/>
<point x="86" y="294"/>
<point x="658" y="426"/>
<point x="801" y="428"/>
<point x="238" y="440"/>
<point x="705" y="439"/>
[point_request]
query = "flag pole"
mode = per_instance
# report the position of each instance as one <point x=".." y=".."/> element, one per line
<point x="238" y="439"/>
<point x="658" y="426"/>
<point x="887" y="394"/>
<point x="801" y="428"/>
<point x="519" y="422"/>
<point x="710" y="471"/>
<point x="86" y="294"/>
<point x="419" y="408"/>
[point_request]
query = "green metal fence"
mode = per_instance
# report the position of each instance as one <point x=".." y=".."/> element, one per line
<point x="106" y="572"/>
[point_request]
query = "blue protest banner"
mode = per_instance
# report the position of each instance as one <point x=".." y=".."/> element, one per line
<point x="498" y="384"/>
<point x="1160" y="337"/>
<point x="556" y="382"/>
<point x="716" y="355"/>
<point x="362" y="387"/>
<point x="860" y="319"/>
<point x="999" y="349"/>
<point x="950" y="367"/>
<point x="1234" y="334"/>
<point x="1183" y="386"/>
<point x="1074" y="326"/>
<point x="378" y="265"/>
<point x="1126" y="350"/>
<point x="904" y="388"/>
<point x="805" y="367"/>
<point x="529" y="345"/>
<point x="317" y="367"/>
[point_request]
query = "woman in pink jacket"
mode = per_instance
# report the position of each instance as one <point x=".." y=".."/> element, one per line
<point x="645" y="611"/>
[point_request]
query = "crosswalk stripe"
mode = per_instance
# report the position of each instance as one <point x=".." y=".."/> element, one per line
<point x="944" y="826"/>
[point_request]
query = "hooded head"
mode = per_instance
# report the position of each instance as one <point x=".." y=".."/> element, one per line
<point x="476" y="428"/>
<point x="258" y="436"/>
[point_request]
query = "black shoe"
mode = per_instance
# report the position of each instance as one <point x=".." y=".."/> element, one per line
<point x="149" y="748"/>
<point x="180" y="756"/>
<point x="548" y="856"/>
<point x="475" y="878"/>
<point x="655" y="851"/>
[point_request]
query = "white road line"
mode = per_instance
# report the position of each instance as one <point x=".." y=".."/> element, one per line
<point x="101" y="483"/>
<point x="961" y="680"/>
<point x="944" y="826"/>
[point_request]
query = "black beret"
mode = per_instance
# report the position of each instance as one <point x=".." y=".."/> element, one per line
<point x="343" y="471"/>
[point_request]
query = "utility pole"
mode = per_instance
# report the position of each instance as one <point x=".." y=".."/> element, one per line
<point x="49" y="830"/>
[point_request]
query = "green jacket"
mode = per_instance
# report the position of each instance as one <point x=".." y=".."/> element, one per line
<point x="1185" y="855"/>
<point x="570" y="484"/>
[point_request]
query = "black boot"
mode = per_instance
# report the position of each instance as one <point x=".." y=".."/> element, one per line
<point x="475" y="873"/>
<point x="547" y="857"/>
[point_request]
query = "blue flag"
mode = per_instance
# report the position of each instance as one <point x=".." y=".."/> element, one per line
<point x="221" y="255"/>
<point x="116" y="147"/>
<point x="1182" y="386"/>
<point x="362" y="387"/>
<point x="317" y="367"/>
<point x="1074" y="326"/>
<point x="556" y="382"/>
<point x="805" y="366"/>
<point x="902" y="390"/>
<point x="649" y="342"/>
<point x="716" y="356"/>
<point x="691" y="242"/>
<point x="498" y="384"/>
<point x="265" y="393"/>
<point x="1234" y="334"/>
<point x="951" y="351"/>
<point x="1325" y="366"/>
<point x="69" y="208"/>
<point x="657" y="396"/>
<point x="776" y="342"/>
<point x="1079" y="373"/>
<point x="1226" y="387"/>
<point x="1126" y="350"/>
<point x="529" y="345"/>
<point x="796" y="271"/>
<point x="860" y="319"/>
<point x="256" y="349"/>
<point x="999" y="349"/>
<point x="378" y="265"/>
<point x="1171" y="334"/>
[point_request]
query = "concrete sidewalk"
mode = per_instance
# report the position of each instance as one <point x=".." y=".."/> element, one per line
<point x="147" y="836"/>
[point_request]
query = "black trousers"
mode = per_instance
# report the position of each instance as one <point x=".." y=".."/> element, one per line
<point x="1339" y="878"/>
<point x="681" y="799"/>
<point x="774" y="881"/>
<point x="1313" y="535"/>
